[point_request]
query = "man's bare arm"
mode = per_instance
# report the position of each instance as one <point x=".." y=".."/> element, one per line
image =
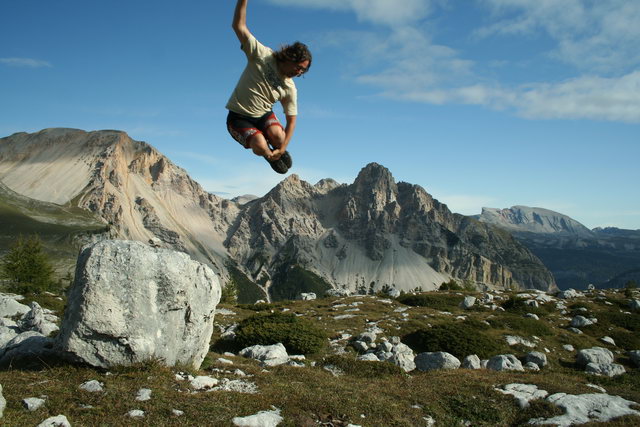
<point x="239" y="24"/>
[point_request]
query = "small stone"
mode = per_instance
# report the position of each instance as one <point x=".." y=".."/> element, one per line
<point x="177" y="412"/>
<point x="203" y="382"/>
<point x="135" y="413"/>
<point x="33" y="403"/>
<point x="261" y="419"/>
<point x="471" y="362"/>
<point x="92" y="386"/>
<point x="568" y="347"/>
<point x="505" y="362"/>
<point x="608" y="340"/>
<point x="143" y="395"/>
<point x="537" y="357"/>
<point x="57" y="421"/>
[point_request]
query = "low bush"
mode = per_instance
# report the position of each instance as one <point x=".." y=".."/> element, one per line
<point x="522" y="325"/>
<point x="518" y="305"/>
<point x="442" y="302"/>
<point x="626" y="340"/>
<point x="459" y="339"/>
<point x="299" y="336"/>
<point x="361" y="368"/>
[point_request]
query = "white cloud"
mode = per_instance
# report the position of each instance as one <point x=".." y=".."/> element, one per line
<point x="25" y="62"/>
<point x="385" y="12"/>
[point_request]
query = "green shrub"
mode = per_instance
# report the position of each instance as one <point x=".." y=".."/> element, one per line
<point x="299" y="336"/>
<point x="261" y="306"/>
<point x="362" y="368"/>
<point x="521" y="324"/>
<point x="442" y="302"/>
<point x="518" y="306"/>
<point x="451" y="285"/>
<point x="626" y="340"/>
<point x="459" y="339"/>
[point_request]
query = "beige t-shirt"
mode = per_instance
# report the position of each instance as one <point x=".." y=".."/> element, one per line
<point x="261" y="85"/>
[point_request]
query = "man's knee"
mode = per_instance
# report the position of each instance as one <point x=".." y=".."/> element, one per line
<point x="276" y="135"/>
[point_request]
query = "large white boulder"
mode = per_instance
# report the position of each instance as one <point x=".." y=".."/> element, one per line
<point x="605" y="369"/>
<point x="131" y="303"/>
<point x="261" y="419"/>
<point x="10" y="307"/>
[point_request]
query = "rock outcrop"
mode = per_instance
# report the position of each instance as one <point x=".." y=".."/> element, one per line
<point x="132" y="303"/>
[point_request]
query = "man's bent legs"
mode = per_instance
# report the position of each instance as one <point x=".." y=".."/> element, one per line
<point x="259" y="146"/>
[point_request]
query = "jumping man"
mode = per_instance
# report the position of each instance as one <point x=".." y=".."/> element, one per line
<point x="267" y="79"/>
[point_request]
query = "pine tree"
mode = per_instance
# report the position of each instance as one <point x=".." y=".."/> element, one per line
<point x="27" y="267"/>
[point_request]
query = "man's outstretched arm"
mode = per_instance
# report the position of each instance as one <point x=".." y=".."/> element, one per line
<point x="239" y="24"/>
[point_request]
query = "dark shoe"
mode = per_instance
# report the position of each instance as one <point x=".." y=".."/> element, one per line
<point x="278" y="165"/>
<point x="286" y="158"/>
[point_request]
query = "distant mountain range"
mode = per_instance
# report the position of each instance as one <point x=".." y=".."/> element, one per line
<point x="577" y="256"/>
<point x="371" y="234"/>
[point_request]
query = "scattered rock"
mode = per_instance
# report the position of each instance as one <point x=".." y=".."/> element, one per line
<point x="307" y="296"/>
<point x="143" y="395"/>
<point x="92" y="386"/>
<point x="594" y="355"/>
<point x="136" y="413"/>
<point x="605" y="369"/>
<point x="131" y="303"/>
<point x="261" y="419"/>
<point x="57" y="421"/>
<point x="203" y="382"/>
<point x="471" y="362"/>
<point x="269" y="355"/>
<point x="468" y="302"/>
<point x="33" y="403"/>
<point x="608" y="340"/>
<point x="568" y="347"/>
<point x="27" y="345"/>
<point x="540" y="359"/>
<point x="436" y="360"/>
<point x="635" y="357"/>
<point x="634" y="305"/>
<point x="177" y="412"/>
<point x="505" y="362"/>
<point x="584" y="408"/>
<point x="569" y="294"/>
<point x="237" y="386"/>
<point x="515" y="340"/>
<point x="524" y="393"/>
<point x="581" y="321"/>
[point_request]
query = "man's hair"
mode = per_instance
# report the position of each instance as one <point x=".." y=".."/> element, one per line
<point x="296" y="52"/>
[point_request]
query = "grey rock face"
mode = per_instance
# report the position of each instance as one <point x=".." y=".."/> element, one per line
<point x="597" y="355"/>
<point x="26" y="345"/>
<point x="523" y="393"/>
<point x="634" y="305"/>
<point x="436" y="360"/>
<point x="505" y="362"/>
<point x="131" y="303"/>
<point x="403" y="356"/>
<point x="635" y="357"/>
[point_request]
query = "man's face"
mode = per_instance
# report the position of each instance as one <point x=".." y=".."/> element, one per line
<point x="294" y="69"/>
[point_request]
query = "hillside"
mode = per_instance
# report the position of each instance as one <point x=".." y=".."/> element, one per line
<point x="333" y="387"/>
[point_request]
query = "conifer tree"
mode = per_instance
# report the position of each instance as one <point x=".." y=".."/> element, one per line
<point x="27" y="267"/>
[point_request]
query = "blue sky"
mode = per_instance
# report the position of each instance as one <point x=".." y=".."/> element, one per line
<point x="482" y="102"/>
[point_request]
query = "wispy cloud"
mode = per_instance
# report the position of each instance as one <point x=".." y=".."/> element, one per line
<point x="591" y="35"/>
<point x="25" y="62"/>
